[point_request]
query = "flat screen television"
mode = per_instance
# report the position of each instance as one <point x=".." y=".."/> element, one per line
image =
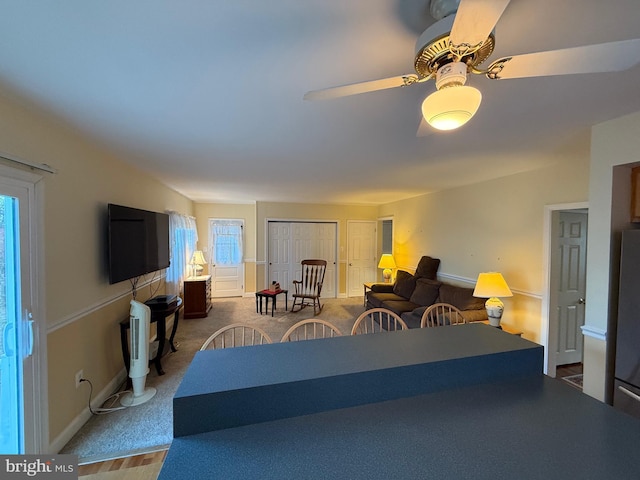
<point x="138" y="242"/>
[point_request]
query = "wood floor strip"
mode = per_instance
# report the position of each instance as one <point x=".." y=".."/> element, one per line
<point x="143" y="472"/>
<point x="124" y="463"/>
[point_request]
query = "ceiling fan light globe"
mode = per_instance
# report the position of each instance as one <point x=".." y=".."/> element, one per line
<point x="451" y="107"/>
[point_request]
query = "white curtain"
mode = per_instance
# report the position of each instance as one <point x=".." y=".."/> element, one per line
<point x="183" y="238"/>
<point x="225" y="238"/>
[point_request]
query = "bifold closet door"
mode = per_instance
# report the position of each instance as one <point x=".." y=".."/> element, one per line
<point x="292" y="242"/>
<point x="279" y="268"/>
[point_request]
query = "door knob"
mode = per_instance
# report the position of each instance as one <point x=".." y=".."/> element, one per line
<point x="581" y="301"/>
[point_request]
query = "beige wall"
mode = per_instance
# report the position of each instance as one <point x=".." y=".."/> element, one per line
<point x="81" y="311"/>
<point x="491" y="226"/>
<point x="308" y="212"/>
<point x="614" y="144"/>
<point x="256" y="216"/>
<point x="246" y="212"/>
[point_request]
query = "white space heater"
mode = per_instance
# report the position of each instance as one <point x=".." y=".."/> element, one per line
<point x="139" y="322"/>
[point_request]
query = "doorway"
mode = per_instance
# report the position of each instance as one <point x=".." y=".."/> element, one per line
<point x="226" y="261"/>
<point x="564" y="296"/>
<point x="23" y="409"/>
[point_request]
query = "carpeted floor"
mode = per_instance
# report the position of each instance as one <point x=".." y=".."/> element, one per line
<point x="574" y="381"/>
<point x="149" y="426"/>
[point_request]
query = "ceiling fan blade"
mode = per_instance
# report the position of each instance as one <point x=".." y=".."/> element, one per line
<point x="363" y="87"/>
<point x="603" y="57"/>
<point x="475" y="20"/>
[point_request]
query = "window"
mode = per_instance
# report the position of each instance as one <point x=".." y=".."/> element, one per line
<point x="183" y="238"/>
<point x="225" y="238"/>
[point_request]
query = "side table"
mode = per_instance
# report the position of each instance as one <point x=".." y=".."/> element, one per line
<point x="158" y="316"/>
<point x="267" y="294"/>
<point x="197" y="296"/>
<point x="505" y="328"/>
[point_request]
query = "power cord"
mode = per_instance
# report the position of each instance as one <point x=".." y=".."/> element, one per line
<point x="104" y="411"/>
<point x="153" y="291"/>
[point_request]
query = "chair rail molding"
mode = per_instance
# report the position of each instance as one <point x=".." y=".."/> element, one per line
<point x="594" y="332"/>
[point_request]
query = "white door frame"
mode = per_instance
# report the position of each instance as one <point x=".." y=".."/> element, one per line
<point x="36" y="406"/>
<point x="546" y="288"/>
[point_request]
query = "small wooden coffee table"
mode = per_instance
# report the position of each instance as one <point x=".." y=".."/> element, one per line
<point x="268" y="294"/>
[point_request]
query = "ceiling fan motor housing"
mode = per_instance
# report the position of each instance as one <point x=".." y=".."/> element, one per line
<point x="433" y="49"/>
<point x="451" y="74"/>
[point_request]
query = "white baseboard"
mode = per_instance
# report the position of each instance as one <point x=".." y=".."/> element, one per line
<point x="253" y="294"/>
<point x="76" y="424"/>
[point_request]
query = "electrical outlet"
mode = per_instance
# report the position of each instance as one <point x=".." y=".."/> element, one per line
<point x="79" y="376"/>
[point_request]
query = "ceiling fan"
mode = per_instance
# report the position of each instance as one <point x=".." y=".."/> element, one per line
<point x="460" y="41"/>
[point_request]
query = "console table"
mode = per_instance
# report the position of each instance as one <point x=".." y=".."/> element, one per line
<point x="158" y="316"/>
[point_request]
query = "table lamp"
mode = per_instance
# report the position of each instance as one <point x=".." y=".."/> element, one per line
<point x="387" y="262"/>
<point x="197" y="260"/>
<point x="491" y="285"/>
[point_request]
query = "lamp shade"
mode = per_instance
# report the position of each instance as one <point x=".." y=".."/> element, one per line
<point x="490" y="285"/>
<point x="387" y="261"/>
<point x="451" y="107"/>
<point x="198" y="258"/>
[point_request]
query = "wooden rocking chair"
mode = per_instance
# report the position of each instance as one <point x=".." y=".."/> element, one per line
<point x="307" y="291"/>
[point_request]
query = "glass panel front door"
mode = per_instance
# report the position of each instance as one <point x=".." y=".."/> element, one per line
<point x="11" y="353"/>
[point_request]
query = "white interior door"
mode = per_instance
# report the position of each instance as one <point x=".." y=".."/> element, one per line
<point x="226" y="263"/>
<point x="571" y="286"/>
<point x="280" y="255"/>
<point x="361" y="255"/>
<point x="315" y="240"/>
<point x="326" y="235"/>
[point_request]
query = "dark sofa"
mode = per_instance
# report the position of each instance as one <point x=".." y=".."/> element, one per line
<point x="411" y="294"/>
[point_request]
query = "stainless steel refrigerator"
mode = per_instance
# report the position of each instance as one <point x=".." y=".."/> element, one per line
<point x="626" y="395"/>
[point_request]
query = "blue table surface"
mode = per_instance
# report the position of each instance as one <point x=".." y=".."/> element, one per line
<point x="531" y="428"/>
<point x="231" y="369"/>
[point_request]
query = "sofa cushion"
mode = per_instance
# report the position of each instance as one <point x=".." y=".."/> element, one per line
<point x="405" y="284"/>
<point x="411" y="319"/>
<point x="474" y="315"/>
<point x="460" y="297"/>
<point x="426" y="291"/>
<point x="399" y="306"/>
<point x="376" y="300"/>
<point x="427" y="267"/>
<point x="382" y="287"/>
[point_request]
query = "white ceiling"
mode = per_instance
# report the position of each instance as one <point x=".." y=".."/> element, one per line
<point x="207" y="94"/>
